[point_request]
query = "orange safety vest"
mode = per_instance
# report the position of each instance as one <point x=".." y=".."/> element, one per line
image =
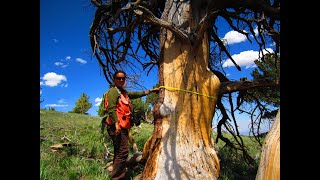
<point x="123" y="111"/>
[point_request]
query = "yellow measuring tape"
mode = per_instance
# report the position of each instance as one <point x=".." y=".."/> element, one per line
<point x="188" y="91"/>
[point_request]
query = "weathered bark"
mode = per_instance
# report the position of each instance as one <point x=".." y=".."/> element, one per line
<point x="269" y="167"/>
<point x="230" y="86"/>
<point x="181" y="146"/>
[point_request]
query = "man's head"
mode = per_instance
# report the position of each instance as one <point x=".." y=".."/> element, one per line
<point x="119" y="78"/>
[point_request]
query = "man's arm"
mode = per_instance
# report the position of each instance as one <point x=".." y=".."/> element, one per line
<point x="112" y="104"/>
<point x="135" y="95"/>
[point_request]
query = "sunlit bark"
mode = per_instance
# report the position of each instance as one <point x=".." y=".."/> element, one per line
<point x="182" y="146"/>
<point x="269" y="167"/>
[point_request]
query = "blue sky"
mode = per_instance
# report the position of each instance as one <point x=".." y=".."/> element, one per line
<point x="67" y="68"/>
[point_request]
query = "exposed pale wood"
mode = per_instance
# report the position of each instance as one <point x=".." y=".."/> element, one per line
<point x="59" y="146"/>
<point x="269" y="167"/>
<point x="186" y="150"/>
<point x="132" y="142"/>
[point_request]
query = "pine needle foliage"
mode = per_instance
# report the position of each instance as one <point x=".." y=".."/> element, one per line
<point x="82" y="104"/>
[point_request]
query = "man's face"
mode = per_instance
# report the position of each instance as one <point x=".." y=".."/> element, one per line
<point x="120" y="80"/>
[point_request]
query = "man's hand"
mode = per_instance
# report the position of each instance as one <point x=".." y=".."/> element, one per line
<point x="118" y="128"/>
<point x="154" y="90"/>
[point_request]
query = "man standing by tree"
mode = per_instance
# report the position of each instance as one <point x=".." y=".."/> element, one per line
<point x="182" y="39"/>
<point x="117" y="102"/>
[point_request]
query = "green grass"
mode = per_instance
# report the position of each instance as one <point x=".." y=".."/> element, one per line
<point x="232" y="165"/>
<point x="84" y="157"/>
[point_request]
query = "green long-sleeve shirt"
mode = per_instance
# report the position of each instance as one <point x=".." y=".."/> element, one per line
<point x="113" y="100"/>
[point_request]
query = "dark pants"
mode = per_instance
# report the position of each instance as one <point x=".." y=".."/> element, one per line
<point x="121" y="152"/>
<point x="103" y="125"/>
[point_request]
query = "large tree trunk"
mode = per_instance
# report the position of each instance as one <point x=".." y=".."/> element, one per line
<point x="269" y="167"/>
<point x="181" y="146"/>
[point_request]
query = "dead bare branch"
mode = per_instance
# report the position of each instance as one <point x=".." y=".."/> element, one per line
<point x="233" y="86"/>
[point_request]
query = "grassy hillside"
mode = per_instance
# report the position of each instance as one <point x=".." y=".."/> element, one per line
<point x="72" y="147"/>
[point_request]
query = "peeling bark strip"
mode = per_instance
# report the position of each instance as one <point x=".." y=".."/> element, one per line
<point x="269" y="167"/>
<point x="185" y="149"/>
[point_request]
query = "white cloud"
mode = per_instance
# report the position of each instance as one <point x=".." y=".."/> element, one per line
<point x="245" y="58"/>
<point x="55" y="40"/>
<point x="61" y="101"/>
<point x="256" y="32"/>
<point x="233" y="37"/>
<point x="56" y="105"/>
<point x="81" y="61"/>
<point x="61" y="64"/>
<point x="52" y="79"/>
<point x="97" y="101"/>
<point x="64" y="85"/>
<point x="58" y="63"/>
<point x="68" y="57"/>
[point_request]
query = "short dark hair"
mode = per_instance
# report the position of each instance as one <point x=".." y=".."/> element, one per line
<point x="117" y="72"/>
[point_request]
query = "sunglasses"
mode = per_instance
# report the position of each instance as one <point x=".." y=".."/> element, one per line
<point x="120" y="78"/>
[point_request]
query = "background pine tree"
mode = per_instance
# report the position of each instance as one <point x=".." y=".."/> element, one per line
<point x="82" y="104"/>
